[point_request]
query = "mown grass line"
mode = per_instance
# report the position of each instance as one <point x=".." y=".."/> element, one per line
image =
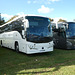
<point x="58" y="62"/>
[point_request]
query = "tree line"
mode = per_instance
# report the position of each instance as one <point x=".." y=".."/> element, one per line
<point x="2" y="21"/>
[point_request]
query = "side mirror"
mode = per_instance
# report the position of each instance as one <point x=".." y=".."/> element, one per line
<point x="22" y="32"/>
<point x="67" y="26"/>
<point x="26" y="23"/>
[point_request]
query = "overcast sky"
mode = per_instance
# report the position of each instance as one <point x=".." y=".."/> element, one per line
<point x="56" y="9"/>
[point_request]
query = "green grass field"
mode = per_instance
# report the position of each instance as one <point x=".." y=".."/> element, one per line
<point x="58" y="62"/>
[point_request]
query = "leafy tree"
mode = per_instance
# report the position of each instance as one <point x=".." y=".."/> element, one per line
<point x="51" y="19"/>
<point x="2" y="21"/>
<point x="61" y="20"/>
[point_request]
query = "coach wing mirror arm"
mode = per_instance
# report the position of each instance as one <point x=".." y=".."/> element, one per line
<point x="26" y="23"/>
<point x="23" y="32"/>
<point x="67" y="26"/>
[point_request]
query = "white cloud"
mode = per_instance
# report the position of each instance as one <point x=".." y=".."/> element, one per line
<point x="48" y="2"/>
<point x="53" y="0"/>
<point x="6" y="16"/>
<point x="42" y="1"/>
<point x="44" y="9"/>
<point x="20" y="13"/>
<point x="28" y="2"/>
<point x="35" y="1"/>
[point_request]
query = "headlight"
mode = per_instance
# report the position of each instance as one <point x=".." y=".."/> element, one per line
<point x="32" y="46"/>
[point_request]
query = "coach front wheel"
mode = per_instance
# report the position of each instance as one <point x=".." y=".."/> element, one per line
<point x="16" y="47"/>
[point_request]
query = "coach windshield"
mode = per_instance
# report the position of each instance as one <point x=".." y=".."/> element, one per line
<point x="70" y="33"/>
<point x="39" y="30"/>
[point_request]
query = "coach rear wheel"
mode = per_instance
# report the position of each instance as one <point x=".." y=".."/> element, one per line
<point x="17" y="47"/>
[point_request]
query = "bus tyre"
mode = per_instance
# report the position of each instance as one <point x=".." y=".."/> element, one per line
<point x="1" y="44"/>
<point x="16" y="47"/>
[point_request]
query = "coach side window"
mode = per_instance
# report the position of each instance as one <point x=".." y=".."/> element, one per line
<point x="1" y="30"/>
<point x="6" y="29"/>
<point x="10" y="27"/>
<point x="18" y="25"/>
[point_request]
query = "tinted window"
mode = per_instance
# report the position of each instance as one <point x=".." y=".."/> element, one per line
<point x="70" y="33"/>
<point x="39" y="30"/>
<point x="18" y="25"/>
